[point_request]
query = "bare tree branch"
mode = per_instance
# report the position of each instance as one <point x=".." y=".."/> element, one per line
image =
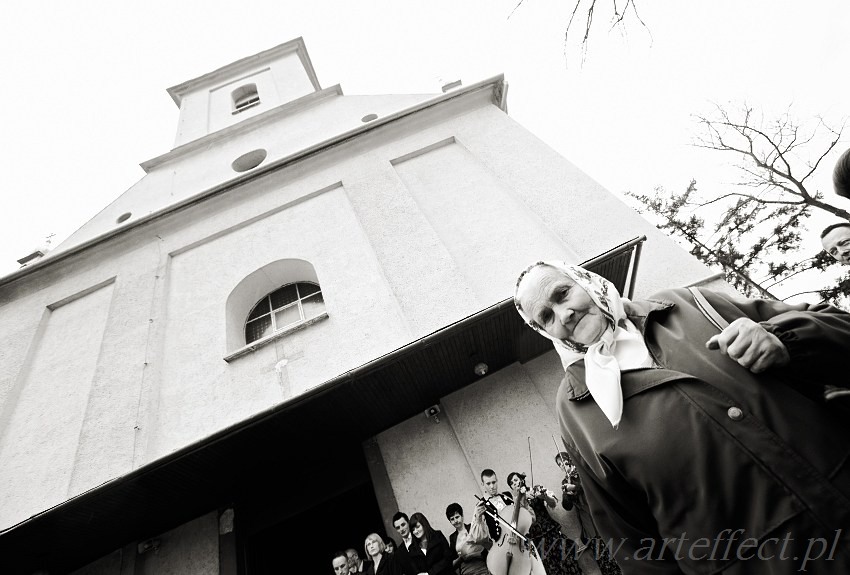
<point x="617" y="19"/>
<point x="757" y="231"/>
<point x="754" y="198"/>
<point x="770" y="152"/>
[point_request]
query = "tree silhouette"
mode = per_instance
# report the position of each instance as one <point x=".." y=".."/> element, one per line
<point x="587" y="8"/>
<point x="754" y="232"/>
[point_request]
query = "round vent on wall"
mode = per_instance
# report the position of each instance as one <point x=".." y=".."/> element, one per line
<point x="123" y="217"/>
<point x="248" y="161"/>
<point x="369" y="118"/>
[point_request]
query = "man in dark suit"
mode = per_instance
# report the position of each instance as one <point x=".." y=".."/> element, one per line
<point x="401" y="523"/>
<point x="340" y="563"/>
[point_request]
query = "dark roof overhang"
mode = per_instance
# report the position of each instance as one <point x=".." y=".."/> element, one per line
<point x="296" y="435"/>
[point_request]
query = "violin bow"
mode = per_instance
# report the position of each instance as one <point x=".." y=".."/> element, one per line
<point x="530" y="462"/>
<point x="558" y="452"/>
<point x="501" y="520"/>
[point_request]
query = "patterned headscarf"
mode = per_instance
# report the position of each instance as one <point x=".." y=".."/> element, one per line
<point x="621" y="345"/>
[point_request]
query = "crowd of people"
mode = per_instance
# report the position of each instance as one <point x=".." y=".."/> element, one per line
<point x="515" y="520"/>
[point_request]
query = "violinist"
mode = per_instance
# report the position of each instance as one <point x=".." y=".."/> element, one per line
<point x="497" y="500"/>
<point x="573" y="497"/>
<point x="512" y="553"/>
<point x="545" y="533"/>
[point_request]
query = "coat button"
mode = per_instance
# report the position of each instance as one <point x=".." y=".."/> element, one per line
<point x="735" y="413"/>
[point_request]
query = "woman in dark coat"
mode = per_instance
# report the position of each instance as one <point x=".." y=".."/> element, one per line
<point x="431" y="555"/>
<point x="699" y="423"/>
<point x="380" y="562"/>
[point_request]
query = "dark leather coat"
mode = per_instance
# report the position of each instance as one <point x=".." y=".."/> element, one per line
<point x="714" y="469"/>
<point x="437" y="559"/>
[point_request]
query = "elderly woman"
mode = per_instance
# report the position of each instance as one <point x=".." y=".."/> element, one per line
<point x="698" y="423"/>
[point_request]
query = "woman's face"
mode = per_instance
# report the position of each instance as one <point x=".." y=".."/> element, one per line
<point x="560" y="306"/>
<point x="515" y="482"/>
<point x="372" y="547"/>
<point x="418" y="530"/>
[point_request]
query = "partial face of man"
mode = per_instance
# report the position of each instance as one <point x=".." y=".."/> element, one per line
<point x="837" y="244"/>
<point x="491" y="485"/>
<point x="456" y="520"/>
<point x="340" y="565"/>
<point x="353" y="559"/>
<point x="560" y="306"/>
<point x="402" y="527"/>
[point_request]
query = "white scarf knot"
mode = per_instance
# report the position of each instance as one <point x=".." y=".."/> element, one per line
<point x="620" y="347"/>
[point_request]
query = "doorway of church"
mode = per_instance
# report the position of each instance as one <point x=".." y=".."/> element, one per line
<point x="305" y="542"/>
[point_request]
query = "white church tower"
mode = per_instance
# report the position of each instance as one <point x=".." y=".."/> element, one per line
<point x="300" y="310"/>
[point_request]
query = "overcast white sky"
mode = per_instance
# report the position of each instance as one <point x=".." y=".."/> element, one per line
<point x="83" y="98"/>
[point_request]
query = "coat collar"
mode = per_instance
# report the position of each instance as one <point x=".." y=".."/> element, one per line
<point x="638" y="312"/>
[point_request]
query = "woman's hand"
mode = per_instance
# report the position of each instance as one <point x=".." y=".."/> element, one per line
<point x="750" y="345"/>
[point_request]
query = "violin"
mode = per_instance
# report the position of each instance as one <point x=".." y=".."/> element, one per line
<point x="511" y="554"/>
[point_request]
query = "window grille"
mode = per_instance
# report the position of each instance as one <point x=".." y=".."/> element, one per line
<point x="285" y="307"/>
<point x="245" y="97"/>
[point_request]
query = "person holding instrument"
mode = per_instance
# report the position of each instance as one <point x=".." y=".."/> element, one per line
<point x="573" y="498"/>
<point x="545" y="533"/>
<point x="512" y="553"/>
<point x="497" y="501"/>
<point x="699" y="424"/>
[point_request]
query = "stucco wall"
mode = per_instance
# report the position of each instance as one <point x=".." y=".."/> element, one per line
<point x="190" y="549"/>
<point x="502" y="422"/>
<point x="120" y="562"/>
<point x="321" y="230"/>
<point x="209" y="108"/>
<point x="193" y="169"/>
<point x="41" y="437"/>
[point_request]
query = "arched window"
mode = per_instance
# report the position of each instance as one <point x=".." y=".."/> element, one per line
<point x="245" y="97"/>
<point x="285" y="307"/>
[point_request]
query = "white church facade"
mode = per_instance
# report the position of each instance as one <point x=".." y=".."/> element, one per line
<point x="247" y="342"/>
